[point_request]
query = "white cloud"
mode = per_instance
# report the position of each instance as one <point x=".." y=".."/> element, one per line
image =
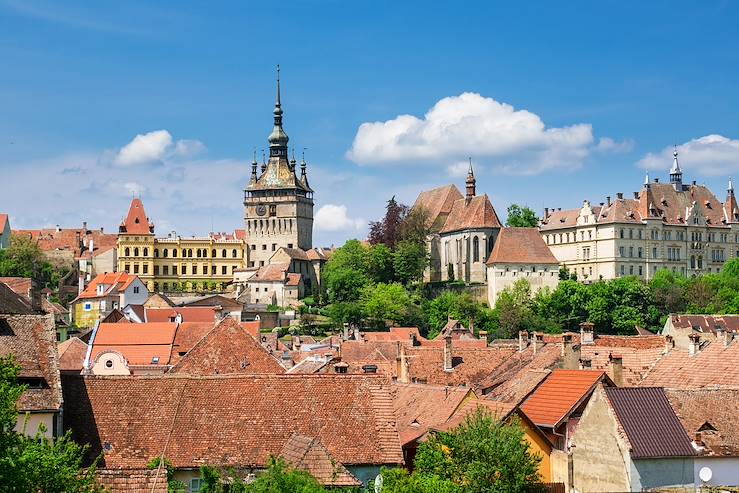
<point x="712" y="155"/>
<point x="460" y="169"/>
<point x="331" y="217"/>
<point x="607" y="144"/>
<point x="514" y="141"/>
<point x="155" y="147"/>
<point x="133" y="188"/>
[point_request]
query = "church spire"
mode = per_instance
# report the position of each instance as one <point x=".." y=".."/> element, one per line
<point x="254" y="168"/>
<point x="731" y="187"/>
<point x="278" y="138"/>
<point x="470" y="183"/>
<point x="304" y="172"/>
<point x="676" y="174"/>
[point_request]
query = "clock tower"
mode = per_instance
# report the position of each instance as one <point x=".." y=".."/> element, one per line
<point x="278" y="204"/>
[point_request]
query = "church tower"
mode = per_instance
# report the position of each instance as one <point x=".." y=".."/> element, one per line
<point x="278" y="205"/>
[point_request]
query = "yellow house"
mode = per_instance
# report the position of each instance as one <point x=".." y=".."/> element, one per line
<point x="175" y="263"/>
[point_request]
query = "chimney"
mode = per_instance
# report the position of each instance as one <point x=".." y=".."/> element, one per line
<point x="448" y="353"/>
<point x="721" y="335"/>
<point x="587" y="333"/>
<point x="403" y="366"/>
<point x="586" y="363"/>
<point x="636" y="195"/>
<point x="523" y="340"/>
<point x="101" y="229"/>
<point x="482" y="335"/>
<point x="357" y="335"/>
<point x="345" y="335"/>
<point x="286" y="360"/>
<point x="84" y="226"/>
<point x="296" y="342"/>
<point x="538" y="341"/>
<point x="669" y="343"/>
<point x="694" y="345"/>
<point x="617" y="365"/>
<point x="698" y="439"/>
<point x="570" y="352"/>
<point x="656" y="180"/>
<point x="608" y="200"/>
<point x="620" y="195"/>
<point x="58" y="228"/>
<point x="546" y="212"/>
<point x="35" y="297"/>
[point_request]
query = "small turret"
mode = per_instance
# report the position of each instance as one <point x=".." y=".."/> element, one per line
<point x="470" y="183"/>
<point x="676" y="174"/>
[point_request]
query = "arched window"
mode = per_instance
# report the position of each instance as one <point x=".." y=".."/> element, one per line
<point x="233" y="253"/>
<point x="475" y="249"/>
<point x="146" y="252"/>
<point x="136" y="252"/>
<point x="189" y="252"/>
<point x="692" y="261"/>
<point x="174" y="252"/>
<point x="156" y="253"/>
<point x="127" y="252"/>
<point x="223" y="253"/>
<point x="165" y="253"/>
<point x="213" y="253"/>
<point x="700" y="262"/>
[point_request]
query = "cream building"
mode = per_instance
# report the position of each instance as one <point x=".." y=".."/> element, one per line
<point x="463" y="231"/>
<point x="520" y="253"/>
<point x="683" y="228"/>
<point x="177" y="263"/>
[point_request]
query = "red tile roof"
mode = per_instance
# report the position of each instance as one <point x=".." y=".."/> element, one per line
<point x="132" y="481"/>
<point x="559" y="395"/>
<point x="72" y="354"/>
<point x="136" y="222"/>
<point x="13" y="303"/>
<point x="3" y="222"/>
<point x="437" y="204"/>
<point x="419" y="406"/>
<point x="712" y="413"/>
<point x="189" y="314"/>
<point x="31" y="339"/>
<point x="139" y="344"/>
<point x="310" y="455"/>
<point x="514" y="372"/>
<point x="477" y="213"/>
<point x="271" y="273"/>
<point x="714" y="365"/>
<point x="231" y="421"/>
<point x="521" y="246"/>
<point x="116" y="282"/>
<point x="187" y="335"/>
<point x="651" y="426"/>
<point x="699" y="323"/>
<point x="470" y="365"/>
<point x="499" y="410"/>
<point x="20" y="285"/>
<point x="227" y="348"/>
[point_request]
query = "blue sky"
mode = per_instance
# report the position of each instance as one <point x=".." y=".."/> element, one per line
<point x="554" y="103"/>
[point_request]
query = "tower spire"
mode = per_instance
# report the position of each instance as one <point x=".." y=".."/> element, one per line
<point x="731" y="186"/>
<point x="254" y="166"/>
<point x="676" y="174"/>
<point x="470" y="183"/>
<point x="278" y="104"/>
<point x="278" y="138"/>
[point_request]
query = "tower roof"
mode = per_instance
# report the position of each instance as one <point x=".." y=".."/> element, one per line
<point x="675" y="165"/>
<point x="278" y="137"/>
<point x="136" y="222"/>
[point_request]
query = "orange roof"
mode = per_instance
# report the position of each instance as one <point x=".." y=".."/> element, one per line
<point x="499" y="410"/>
<point x="136" y="223"/>
<point x="521" y="246"/>
<point x="477" y="213"/>
<point x="135" y="334"/>
<point x="19" y="285"/>
<point x="189" y="314"/>
<point x="142" y="355"/>
<point x="116" y="282"/>
<point x="72" y="354"/>
<point x="559" y="395"/>
<point x="419" y="406"/>
<point x="252" y="328"/>
<point x="3" y="222"/>
<point x="437" y="204"/>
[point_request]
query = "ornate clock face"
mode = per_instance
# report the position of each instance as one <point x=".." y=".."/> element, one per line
<point x="261" y="209"/>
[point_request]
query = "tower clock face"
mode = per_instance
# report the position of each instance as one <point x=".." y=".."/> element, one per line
<point x="261" y="209"/>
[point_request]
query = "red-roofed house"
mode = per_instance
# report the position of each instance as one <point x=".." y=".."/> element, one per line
<point x="106" y="293"/>
<point x="126" y="348"/>
<point x="4" y="231"/>
<point x="463" y="231"/>
<point x="520" y="253"/>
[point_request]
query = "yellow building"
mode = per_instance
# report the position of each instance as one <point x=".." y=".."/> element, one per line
<point x="176" y="263"/>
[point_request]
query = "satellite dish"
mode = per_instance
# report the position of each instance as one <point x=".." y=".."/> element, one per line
<point x="378" y="483"/>
<point x="705" y="474"/>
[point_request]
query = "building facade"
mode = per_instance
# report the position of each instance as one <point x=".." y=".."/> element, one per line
<point x="105" y="293"/>
<point x="177" y="263"/>
<point x="674" y="226"/>
<point x="278" y="204"/>
<point x="463" y="231"/>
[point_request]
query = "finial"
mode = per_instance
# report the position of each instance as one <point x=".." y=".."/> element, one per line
<point x="264" y="158"/>
<point x="254" y="159"/>
<point x="302" y="162"/>
<point x="277" y="102"/>
<point x="731" y="186"/>
<point x="646" y="178"/>
<point x="469" y="171"/>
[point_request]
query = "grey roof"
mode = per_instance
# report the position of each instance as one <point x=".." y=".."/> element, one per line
<point x="650" y="423"/>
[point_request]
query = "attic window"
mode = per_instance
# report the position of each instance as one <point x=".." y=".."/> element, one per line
<point x="708" y="205"/>
<point x="155" y="360"/>
<point x="33" y="382"/>
<point x="136" y="220"/>
<point x="369" y="368"/>
<point x="109" y="363"/>
<point x="707" y="427"/>
<point x="664" y="201"/>
<point x="5" y="329"/>
<point x="562" y="219"/>
<point x="107" y="446"/>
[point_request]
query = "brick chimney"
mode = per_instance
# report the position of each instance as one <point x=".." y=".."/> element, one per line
<point x="538" y="341"/>
<point x="620" y="195"/>
<point x="448" y="353"/>
<point x="414" y="340"/>
<point x="523" y="340"/>
<point x="694" y="345"/>
<point x="355" y="330"/>
<point x="669" y="344"/>
<point x="286" y="360"/>
<point x="35" y="296"/>
<point x="608" y="200"/>
<point x="345" y="334"/>
<point x="403" y="366"/>
<point x="296" y="342"/>
<point x="617" y="367"/>
<point x="570" y="352"/>
<point x="587" y="333"/>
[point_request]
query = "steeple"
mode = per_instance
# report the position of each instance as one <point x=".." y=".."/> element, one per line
<point x="293" y="162"/>
<point x="731" y="187"/>
<point x="470" y="183"/>
<point x="731" y="207"/>
<point x="278" y="138"/>
<point x="646" y="179"/>
<point x="304" y="172"/>
<point x="253" y="178"/>
<point x="676" y="174"/>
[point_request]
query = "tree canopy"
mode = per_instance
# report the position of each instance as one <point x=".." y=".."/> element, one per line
<point x="521" y="217"/>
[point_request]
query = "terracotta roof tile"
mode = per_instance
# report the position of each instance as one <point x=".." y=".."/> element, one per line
<point x="132" y="481"/>
<point x="72" y="354"/>
<point x="227" y="348"/>
<point x="712" y="412"/>
<point x="136" y="222"/>
<point x="560" y="393"/>
<point x="12" y="302"/>
<point x="699" y="323"/>
<point x="521" y="246"/>
<point x="437" y="204"/>
<point x="31" y="339"/>
<point x="714" y="365"/>
<point x="514" y="373"/>
<point x="651" y="426"/>
<point x="19" y="285"/>
<point x="499" y="410"/>
<point x="188" y="313"/>
<point x="271" y="273"/>
<point x="115" y="282"/>
<point x="470" y="365"/>
<point x="3" y="222"/>
<point x="419" y="406"/>
<point x="310" y="455"/>
<point x="478" y="213"/>
<point x="231" y="421"/>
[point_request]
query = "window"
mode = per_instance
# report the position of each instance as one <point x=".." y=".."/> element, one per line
<point x="274" y="247"/>
<point x="640" y="270"/>
<point x="103" y="305"/>
<point x="692" y="261"/>
<point x="475" y="249"/>
<point x="586" y="253"/>
<point x="213" y="269"/>
<point x="223" y="253"/>
<point x="631" y="270"/>
<point x="197" y="253"/>
<point x="165" y="270"/>
<point x="146" y="252"/>
<point x="272" y="211"/>
<point x="639" y="252"/>
<point x="88" y="307"/>
<point x="234" y="254"/>
<point x="640" y="234"/>
<point x="184" y="269"/>
<point x="654" y="252"/>
<point x="289" y="245"/>
<point x="165" y="253"/>
<point x="213" y="253"/>
<point x="165" y="286"/>
<point x="136" y="290"/>
<point x="623" y="271"/>
<point x="224" y="270"/>
<point x="264" y="247"/>
<point x="135" y="268"/>
<point x="174" y="270"/>
<point x="621" y="234"/>
<point x="127" y="267"/>
<point x="621" y="251"/>
<point x="145" y="268"/>
<point x="195" y="485"/>
<point x="127" y="252"/>
<point x="156" y="270"/>
<point x="156" y="253"/>
<point x="174" y="252"/>
<point x="254" y="247"/>
<point x="631" y="234"/>
<point x="136" y="252"/>
<point x="189" y="252"/>
<point x="631" y="251"/>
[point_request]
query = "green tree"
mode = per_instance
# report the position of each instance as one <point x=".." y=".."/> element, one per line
<point x="387" y="230"/>
<point x="36" y="464"/>
<point x="401" y="481"/>
<point x="341" y="312"/>
<point x="277" y="478"/>
<point x="415" y="226"/>
<point x="410" y="261"/>
<point x="521" y="217"/>
<point x="346" y="272"/>
<point x="385" y="302"/>
<point x="380" y="264"/>
<point x="483" y="454"/>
